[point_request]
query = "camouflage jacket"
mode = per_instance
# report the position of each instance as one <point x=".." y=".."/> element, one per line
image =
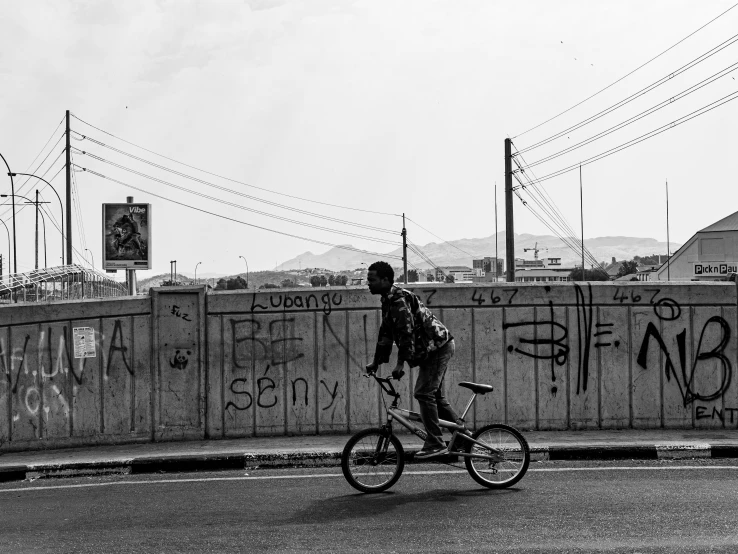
<point x="409" y="324"/>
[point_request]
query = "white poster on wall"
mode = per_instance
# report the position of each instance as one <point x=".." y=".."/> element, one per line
<point x="84" y="342"/>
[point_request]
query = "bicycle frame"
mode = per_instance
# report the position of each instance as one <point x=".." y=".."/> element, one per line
<point x="406" y="418"/>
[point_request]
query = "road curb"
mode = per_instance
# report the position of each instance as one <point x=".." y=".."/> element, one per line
<point x="215" y="462"/>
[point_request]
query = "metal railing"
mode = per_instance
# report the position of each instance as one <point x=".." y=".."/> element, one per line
<point x="67" y="282"/>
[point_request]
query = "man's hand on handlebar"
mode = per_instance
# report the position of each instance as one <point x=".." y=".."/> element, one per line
<point x="397" y="373"/>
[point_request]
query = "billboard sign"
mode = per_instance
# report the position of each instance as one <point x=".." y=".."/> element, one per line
<point x="126" y="236"/>
<point x="720" y="269"/>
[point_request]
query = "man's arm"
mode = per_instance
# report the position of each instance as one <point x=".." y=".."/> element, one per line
<point x="384" y="344"/>
<point x="402" y="325"/>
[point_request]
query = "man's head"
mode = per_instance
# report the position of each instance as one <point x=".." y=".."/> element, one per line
<point x="380" y="277"/>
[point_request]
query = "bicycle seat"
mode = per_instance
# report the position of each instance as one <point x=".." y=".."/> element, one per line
<point x="477" y="387"/>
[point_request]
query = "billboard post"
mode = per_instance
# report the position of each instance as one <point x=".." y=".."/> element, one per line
<point x="131" y="273"/>
<point x="127" y="239"/>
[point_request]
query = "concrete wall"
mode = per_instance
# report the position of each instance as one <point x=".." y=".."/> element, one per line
<point x="182" y="364"/>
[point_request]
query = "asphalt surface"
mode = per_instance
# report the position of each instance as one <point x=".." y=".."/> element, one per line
<point x="325" y="451"/>
<point x="618" y="506"/>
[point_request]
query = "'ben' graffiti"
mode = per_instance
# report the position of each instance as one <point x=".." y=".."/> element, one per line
<point x="249" y="343"/>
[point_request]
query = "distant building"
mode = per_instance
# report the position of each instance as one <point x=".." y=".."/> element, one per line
<point x="645" y="272"/>
<point x="459" y="273"/>
<point x="613" y="268"/>
<point x="543" y="275"/>
<point x="487" y="265"/>
<point x="710" y="255"/>
<point x="522" y="263"/>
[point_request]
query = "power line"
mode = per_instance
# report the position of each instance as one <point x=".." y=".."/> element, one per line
<point x="653" y="109"/>
<point x="283" y="206"/>
<point x="416" y="249"/>
<point x="439" y="238"/>
<point x="226" y="189"/>
<point x="701" y="111"/>
<point x="557" y="218"/>
<point x="698" y="60"/>
<point x="47" y="142"/>
<point x="234" y="205"/>
<point x="555" y="212"/>
<point x="342" y="246"/>
<point x="594" y="265"/>
<point x="22" y="186"/>
<point x="234" y="180"/>
<point x="78" y="208"/>
<point x="627" y="74"/>
<point x="58" y="228"/>
<point x="420" y="254"/>
<point x="567" y="236"/>
<point x="18" y="210"/>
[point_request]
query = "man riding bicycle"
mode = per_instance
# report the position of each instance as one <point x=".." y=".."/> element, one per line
<point x="422" y="340"/>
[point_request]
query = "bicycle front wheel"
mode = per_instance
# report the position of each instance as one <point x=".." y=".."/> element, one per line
<point x="372" y="460"/>
<point x="510" y="456"/>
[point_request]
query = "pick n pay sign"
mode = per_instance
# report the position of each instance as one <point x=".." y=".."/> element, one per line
<point x="708" y="269"/>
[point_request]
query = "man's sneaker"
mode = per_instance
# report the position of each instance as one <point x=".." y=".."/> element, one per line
<point x="431" y="452"/>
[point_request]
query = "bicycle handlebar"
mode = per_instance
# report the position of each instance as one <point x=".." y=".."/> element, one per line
<point x="371" y="370"/>
<point x="384" y="382"/>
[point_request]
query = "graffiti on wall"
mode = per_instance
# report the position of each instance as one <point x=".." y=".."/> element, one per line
<point x="548" y="339"/>
<point x="684" y="375"/>
<point x="43" y="378"/>
<point x="285" y="373"/>
<point x="296" y="301"/>
<point x="256" y="345"/>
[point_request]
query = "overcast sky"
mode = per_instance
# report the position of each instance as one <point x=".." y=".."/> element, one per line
<point x="384" y="106"/>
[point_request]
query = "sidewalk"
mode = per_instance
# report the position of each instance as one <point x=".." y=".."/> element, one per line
<point x="325" y="450"/>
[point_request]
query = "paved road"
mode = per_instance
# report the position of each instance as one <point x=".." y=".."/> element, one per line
<point x="687" y="506"/>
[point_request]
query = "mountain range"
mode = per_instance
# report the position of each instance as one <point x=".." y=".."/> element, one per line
<point x="463" y="251"/>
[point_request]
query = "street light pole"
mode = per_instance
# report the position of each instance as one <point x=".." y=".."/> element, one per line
<point x="28" y="201"/>
<point x="12" y="193"/>
<point x="91" y="256"/>
<point x="57" y="195"/>
<point x="43" y="220"/>
<point x="8" y="232"/>
<point x="198" y="263"/>
<point x="247" y="271"/>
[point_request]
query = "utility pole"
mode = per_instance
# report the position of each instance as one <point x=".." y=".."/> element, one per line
<point x="581" y="211"/>
<point x="509" y="226"/>
<point x="668" y="246"/>
<point x="36" y="228"/>
<point x="69" y="196"/>
<point x="36" y="203"/>
<point x="404" y="250"/>
<point x="496" y="258"/>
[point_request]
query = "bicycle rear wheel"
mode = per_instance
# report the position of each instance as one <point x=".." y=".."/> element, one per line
<point x="372" y="460"/>
<point x="511" y="456"/>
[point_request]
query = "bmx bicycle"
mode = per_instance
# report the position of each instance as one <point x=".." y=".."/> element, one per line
<point x="496" y="456"/>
